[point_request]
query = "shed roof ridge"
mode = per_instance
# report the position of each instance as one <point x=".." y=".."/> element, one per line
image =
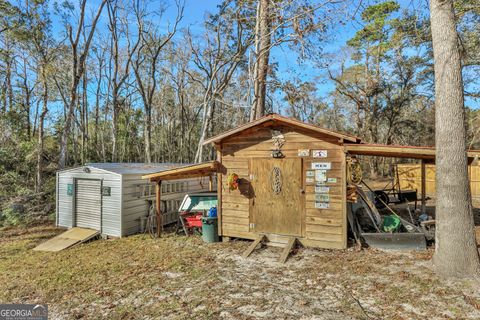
<point x="288" y="120"/>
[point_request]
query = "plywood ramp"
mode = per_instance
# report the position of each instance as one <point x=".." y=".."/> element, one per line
<point x="67" y="239"/>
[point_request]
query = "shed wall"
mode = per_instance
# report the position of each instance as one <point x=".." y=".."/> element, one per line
<point x="322" y="227"/>
<point x="111" y="205"/>
<point x="410" y="176"/>
<point x="135" y="205"/>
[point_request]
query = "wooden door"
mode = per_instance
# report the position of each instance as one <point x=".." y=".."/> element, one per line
<point x="276" y="206"/>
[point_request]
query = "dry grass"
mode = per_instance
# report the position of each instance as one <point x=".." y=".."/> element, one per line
<point x="182" y="278"/>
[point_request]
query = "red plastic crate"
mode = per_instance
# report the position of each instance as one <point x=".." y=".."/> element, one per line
<point x="194" y="221"/>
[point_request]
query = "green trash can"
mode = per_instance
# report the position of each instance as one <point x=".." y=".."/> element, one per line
<point x="210" y="229"/>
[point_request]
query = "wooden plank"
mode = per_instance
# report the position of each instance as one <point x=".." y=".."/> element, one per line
<point x="325" y="229"/>
<point x="287" y="250"/>
<point x="337" y="222"/>
<point x="325" y="237"/>
<point x="236" y="206"/>
<point x="236" y="220"/>
<point x="253" y="245"/>
<point x="344" y="203"/>
<point x="234" y="198"/>
<point x="312" y="243"/>
<point x="219" y="193"/>
<point x="158" y="195"/>
<point x="202" y="169"/>
<point x="235" y="227"/>
<point x="325" y="213"/>
<point x="235" y="213"/>
<point x="424" y="186"/>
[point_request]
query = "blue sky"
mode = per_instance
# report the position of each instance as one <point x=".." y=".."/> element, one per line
<point x="288" y="64"/>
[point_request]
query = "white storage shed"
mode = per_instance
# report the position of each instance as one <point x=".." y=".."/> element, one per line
<point x="113" y="198"/>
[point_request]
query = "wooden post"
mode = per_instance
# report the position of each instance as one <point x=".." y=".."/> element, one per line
<point x="424" y="186"/>
<point x="159" y="207"/>
<point x="210" y="182"/>
<point x="219" y="191"/>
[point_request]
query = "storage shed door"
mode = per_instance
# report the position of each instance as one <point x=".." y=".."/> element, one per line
<point x="88" y="204"/>
<point x="277" y="207"/>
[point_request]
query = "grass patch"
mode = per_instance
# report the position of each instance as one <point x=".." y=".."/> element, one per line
<point x="182" y="278"/>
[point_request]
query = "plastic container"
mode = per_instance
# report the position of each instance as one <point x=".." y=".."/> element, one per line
<point x="210" y="229"/>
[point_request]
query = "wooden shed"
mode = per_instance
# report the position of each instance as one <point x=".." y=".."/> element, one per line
<point x="291" y="182"/>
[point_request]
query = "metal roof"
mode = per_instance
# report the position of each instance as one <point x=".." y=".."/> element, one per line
<point x="134" y="168"/>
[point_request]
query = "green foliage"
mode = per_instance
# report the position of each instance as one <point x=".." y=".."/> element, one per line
<point x="10" y="217"/>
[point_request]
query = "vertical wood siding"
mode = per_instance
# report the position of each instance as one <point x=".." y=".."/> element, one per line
<point x="322" y="227"/>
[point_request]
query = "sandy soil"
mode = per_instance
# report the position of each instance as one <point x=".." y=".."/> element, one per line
<point x="182" y="278"/>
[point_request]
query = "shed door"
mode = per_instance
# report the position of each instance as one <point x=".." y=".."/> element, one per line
<point x="88" y="204"/>
<point x="277" y="187"/>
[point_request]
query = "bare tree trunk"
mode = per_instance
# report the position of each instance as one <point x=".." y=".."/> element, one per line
<point x="456" y="254"/>
<point x="41" y="121"/>
<point x="263" y="55"/>
<point x="148" y="134"/>
<point x="78" y="63"/>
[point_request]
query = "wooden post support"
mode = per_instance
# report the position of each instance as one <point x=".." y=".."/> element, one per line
<point x="219" y="192"/>
<point x="287" y="249"/>
<point x="253" y="245"/>
<point x="158" y="210"/>
<point x="424" y="187"/>
<point x="210" y="182"/>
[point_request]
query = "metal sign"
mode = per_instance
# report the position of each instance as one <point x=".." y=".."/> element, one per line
<point x="321" y="165"/>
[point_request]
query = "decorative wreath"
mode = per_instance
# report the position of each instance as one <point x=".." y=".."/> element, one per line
<point x="232" y="180"/>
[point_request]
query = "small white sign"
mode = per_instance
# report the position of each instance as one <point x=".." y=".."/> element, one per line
<point x="320" y="175"/>
<point x="310" y="180"/>
<point x="321" y="165"/>
<point x="310" y="173"/>
<point x="322" y="189"/>
<point x="332" y="180"/>
<point x="319" y="153"/>
<point x="322" y="197"/>
<point x="321" y="205"/>
<point x="303" y="152"/>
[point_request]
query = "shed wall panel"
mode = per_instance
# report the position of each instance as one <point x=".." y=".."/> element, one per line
<point x="111" y="205"/>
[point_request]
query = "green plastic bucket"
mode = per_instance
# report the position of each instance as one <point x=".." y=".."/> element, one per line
<point x="391" y="223"/>
<point x="210" y="229"/>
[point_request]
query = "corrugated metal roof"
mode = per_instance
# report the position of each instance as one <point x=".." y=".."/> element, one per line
<point x="135" y="168"/>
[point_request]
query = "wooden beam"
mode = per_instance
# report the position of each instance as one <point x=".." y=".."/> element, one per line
<point x="424" y="186"/>
<point x="158" y="193"/>
<point x="219" y="192"/>
<point x="287" y="249"/>
<point x="210" y="182"/>
<point x="383" y="150"/>
<point x="253" y="245"/>
<point x="191" y="171"/>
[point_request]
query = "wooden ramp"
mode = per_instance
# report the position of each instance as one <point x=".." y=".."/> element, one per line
<point x="67" y="239"/>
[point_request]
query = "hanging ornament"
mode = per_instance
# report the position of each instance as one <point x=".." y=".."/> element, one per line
<point x="232" y="180"/>
<point x="276" y="180"/>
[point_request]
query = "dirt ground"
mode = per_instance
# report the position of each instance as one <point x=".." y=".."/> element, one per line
<point x="182" y="278"/>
